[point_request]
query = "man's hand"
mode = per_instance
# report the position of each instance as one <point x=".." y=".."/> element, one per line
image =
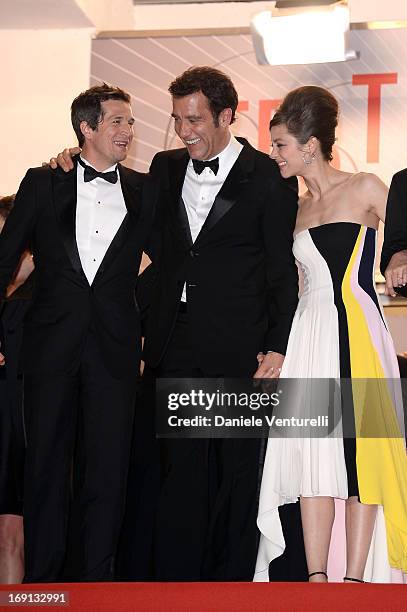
<point x="2" y="360"/>
<point x="269" y="365"/>
<point x="64" y="159"/>
<point x="396" y="273"/>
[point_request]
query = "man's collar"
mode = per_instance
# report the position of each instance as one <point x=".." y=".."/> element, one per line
<point x="85" y="161"/>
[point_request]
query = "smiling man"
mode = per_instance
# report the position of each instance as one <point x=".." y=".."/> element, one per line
<point x="226" y="289"/>
<point x="81" y="348"/>
<point x="223" y="288"/>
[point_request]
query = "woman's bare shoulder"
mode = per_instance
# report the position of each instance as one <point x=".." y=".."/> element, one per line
<point x="368" y="181"/>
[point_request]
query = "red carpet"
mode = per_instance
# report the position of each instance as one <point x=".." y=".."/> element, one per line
<point x="180" y="597"/>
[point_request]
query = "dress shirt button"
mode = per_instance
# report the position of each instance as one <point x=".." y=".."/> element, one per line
<point x="97" y="231"/>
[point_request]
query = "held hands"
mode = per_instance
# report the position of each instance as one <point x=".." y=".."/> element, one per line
<point x="64" y="159"/>
<point x="2" y="359"/>
<point x="269" y="365"/>
<point x="396" y="273"/>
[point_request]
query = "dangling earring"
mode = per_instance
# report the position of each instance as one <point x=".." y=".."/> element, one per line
<point x="308" y="158"/>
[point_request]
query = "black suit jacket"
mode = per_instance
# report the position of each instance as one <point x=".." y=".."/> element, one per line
<point x="395" y="229"/>
<point x="242" y="281"/>
<point x="64" y="305"/>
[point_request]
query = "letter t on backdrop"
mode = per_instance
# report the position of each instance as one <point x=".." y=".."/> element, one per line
<point x="374" y="83"/>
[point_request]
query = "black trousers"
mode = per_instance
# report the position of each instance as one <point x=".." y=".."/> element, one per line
<point x="73" y="508"/>
<point x="195" y="514"/>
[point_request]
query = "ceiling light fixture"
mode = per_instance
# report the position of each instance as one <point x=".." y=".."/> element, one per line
<point x="302" y="35"/>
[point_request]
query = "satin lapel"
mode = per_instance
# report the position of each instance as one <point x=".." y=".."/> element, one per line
<point x="131" y="190"/>
<point x="231" y="189"/>
<point x="132" y="194"/>
<point x="64" y="196"/>
<point x="177" y="167"/>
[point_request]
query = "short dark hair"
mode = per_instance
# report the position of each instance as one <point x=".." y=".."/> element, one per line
<point x="6" y="204"/>
<point x="310" y="111"/>
<point x="87" y="106"/>
<point x="214" y="84"/>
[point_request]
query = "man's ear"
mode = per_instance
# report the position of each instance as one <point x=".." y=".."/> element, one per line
<point x="86" y="130"/>
<point x="225" y="117"/>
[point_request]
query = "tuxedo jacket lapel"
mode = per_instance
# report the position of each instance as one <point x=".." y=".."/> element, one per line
<point x="225" y="199"/>
<point x="64" y="197"/>
<point x="231" y="190"/>
<point x="177" y="168"/>
<point x="132" y="198"/>
<point x="131" y="192"/>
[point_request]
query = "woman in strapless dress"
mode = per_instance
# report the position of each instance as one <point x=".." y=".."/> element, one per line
<point x="338" y="333"/>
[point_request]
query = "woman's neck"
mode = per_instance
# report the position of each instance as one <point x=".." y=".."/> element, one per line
<point x="320" y="177"/>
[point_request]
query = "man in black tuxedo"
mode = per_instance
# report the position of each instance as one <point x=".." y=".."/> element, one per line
<point x="226" y="288"/>
<point x="81" y="347"/>
<point x="223" y="289"/>
<point x="394" y="253"/>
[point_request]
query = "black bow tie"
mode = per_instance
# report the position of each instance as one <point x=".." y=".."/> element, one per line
<point x="90" y="174"/>
<point x="199" y="165"/>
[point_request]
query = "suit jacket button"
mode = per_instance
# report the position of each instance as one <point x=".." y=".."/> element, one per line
<point x="193" y="253"/>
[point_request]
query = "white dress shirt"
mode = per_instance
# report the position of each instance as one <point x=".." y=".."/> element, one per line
<point x="200" y="190"/>
<point x="100" y="210"/>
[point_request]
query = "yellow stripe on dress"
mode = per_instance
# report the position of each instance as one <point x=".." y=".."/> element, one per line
<point x="381" y="459"/>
